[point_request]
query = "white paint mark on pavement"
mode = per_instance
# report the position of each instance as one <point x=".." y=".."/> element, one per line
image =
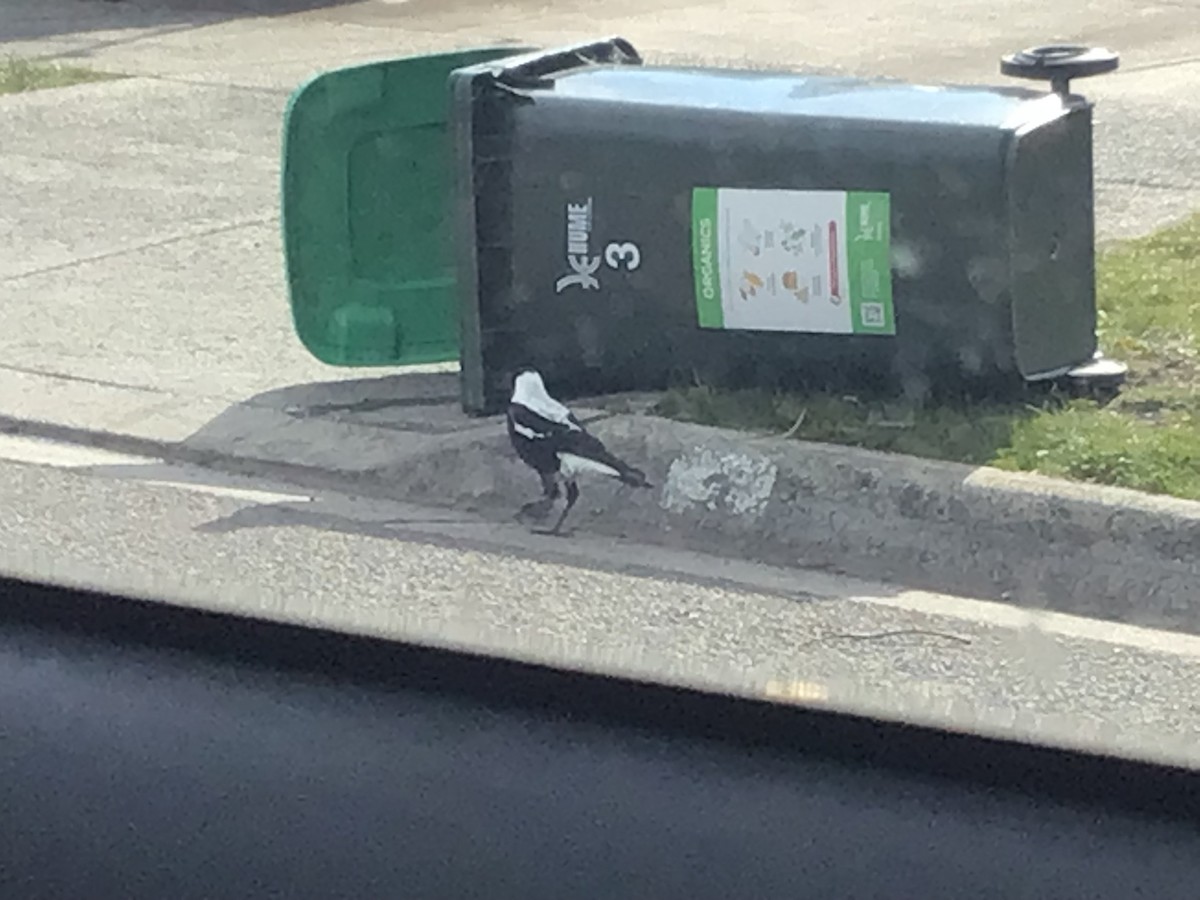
<point x="252" y="495"/>
<point x="738" y="482"/>
<point x="40" y="452"/>
<point x="148" y="470"/>
<point x="1003" y="615"/>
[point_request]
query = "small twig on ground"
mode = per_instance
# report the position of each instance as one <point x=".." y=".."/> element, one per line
<point x="796" y="425"/>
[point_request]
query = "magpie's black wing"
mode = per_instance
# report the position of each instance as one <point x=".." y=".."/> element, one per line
<point x="530" y="425"/>
<point x="559" y="436"/>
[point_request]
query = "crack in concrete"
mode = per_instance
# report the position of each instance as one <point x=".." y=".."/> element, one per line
<point x="83" y="379"/>
<point x="1145" y="183"/>
<point x="200" y="82"/>
<point x="148" y="33"/>
<point x="1164" y="64"/>
<point x="151" y="245"/>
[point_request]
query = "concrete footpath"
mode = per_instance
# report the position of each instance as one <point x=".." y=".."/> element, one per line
<point x="145" y="306"/>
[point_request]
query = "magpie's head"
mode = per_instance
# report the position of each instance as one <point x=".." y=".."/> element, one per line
<point x="528" y="383"/>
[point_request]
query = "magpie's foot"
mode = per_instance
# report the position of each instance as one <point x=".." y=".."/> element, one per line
<point x="538" y="509"/>
<point x="554" y="532"/>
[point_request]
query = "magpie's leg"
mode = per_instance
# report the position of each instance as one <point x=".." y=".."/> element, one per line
<point x="540" y="508"/>
<point x="572" y="496"/>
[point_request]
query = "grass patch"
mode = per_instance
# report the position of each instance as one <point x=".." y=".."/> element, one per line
<point x="955" y="433"/>
<point x="1148" y="438"/>
<point x="17" y="74"/>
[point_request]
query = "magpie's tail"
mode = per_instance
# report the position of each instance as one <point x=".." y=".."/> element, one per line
<point x="595" y="454"/>
<point x="633" y="477"/>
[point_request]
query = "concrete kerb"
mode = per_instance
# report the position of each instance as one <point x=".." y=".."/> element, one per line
<point x="1025" y="539"/>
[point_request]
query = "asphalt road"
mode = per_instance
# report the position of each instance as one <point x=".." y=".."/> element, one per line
<point x="335" y="560"/>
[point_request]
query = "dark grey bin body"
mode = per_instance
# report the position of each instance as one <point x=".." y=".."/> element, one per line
<point x="991" y="220"/>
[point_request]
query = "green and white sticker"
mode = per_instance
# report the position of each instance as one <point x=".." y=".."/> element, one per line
<point x="783" y="260"/>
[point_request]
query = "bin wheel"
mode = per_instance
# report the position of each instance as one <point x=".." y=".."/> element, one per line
<point x="1059" y="63"/>
<point x="1100" y="380"/>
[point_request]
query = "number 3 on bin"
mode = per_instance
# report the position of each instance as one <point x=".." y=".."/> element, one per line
<point x="625" y="256"/>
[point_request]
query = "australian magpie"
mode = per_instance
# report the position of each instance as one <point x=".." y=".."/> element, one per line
<point x="551" y="441"/>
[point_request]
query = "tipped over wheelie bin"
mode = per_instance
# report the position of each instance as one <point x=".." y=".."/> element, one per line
<point x="624" y="226"/>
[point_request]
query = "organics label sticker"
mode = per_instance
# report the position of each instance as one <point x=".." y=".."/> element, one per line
<point x="782" y="260"/>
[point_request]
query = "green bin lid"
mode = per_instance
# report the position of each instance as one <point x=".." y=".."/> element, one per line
<point x="366" y="205"/>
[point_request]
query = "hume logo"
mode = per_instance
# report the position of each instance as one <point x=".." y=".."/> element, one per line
<point x="582" y="263"/>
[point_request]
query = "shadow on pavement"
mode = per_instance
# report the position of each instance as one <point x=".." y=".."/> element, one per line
<point x="279" y="505"/>
<point x="354" y="432"/>
<point x="420" y="404"/>
<point x="365" y="394"/>
<point x="451" y="530"/>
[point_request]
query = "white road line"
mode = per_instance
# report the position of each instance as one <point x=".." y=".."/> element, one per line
<point x="146" y="470"/>
<point x="252" y="495"/>
<point x="1063" y="624"/>
<point x="41" y="452"/>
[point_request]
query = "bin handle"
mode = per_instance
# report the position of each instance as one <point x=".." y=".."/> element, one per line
<point x="535" y="70"/>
